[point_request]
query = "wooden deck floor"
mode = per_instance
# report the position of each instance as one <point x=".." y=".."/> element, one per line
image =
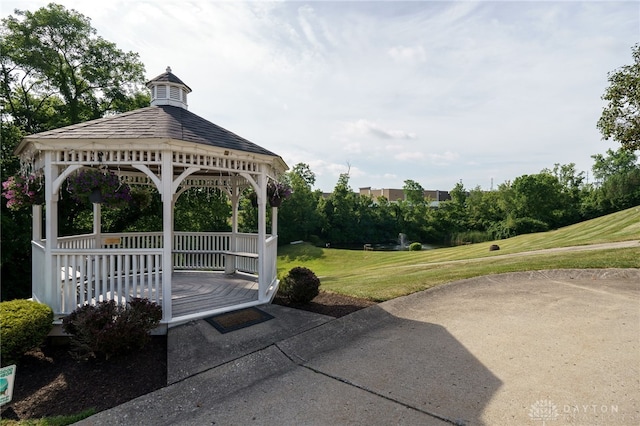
<point x="194" y="292"/>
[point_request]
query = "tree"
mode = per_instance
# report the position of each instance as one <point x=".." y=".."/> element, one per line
<point x="572" y="190"/>
<point x="298" y="217"/>
<point x="538" y="197"/>
<point x="620" y="119"/>
<point x="413" y="192"/>
<point x="54" y="71"/>
<point x="613" y="163"/>
<point x="618" y="183"/>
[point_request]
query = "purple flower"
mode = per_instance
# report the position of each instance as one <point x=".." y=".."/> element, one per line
<point x="22" y="191"/>
<point x="114" y="192"/>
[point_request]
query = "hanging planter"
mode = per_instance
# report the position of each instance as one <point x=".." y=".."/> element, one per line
<point x="23" y="191"/>
<point x="96" y="196"/>
<point x="275" y="201"/>
<point x="97" y="186"/>
<point x="277" y="192"/>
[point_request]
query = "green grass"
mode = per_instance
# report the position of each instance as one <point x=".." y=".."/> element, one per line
<point x="382" y="275"/>
<point x="50" y="421"/>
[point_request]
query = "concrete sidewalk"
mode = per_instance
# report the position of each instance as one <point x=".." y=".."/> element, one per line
<point x="556" y="347"/>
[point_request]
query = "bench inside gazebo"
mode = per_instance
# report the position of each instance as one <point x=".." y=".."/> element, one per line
<point x="191" y="275"/>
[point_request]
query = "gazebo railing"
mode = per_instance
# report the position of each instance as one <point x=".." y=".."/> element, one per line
<point x="191" y="250"/>
<point x="91" y="268"/>
<point x="101" y="274"/>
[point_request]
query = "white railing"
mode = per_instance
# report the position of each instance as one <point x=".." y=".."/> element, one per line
<point x="191" y="250"/>
<point x="133" y="240"/>
<point x="126" y="265"/>
<point x="271" y="259"/>
<point x="86" y="241"/>
<point x="40" y="288"/>
<point x="247" y="243"/>
<point x="203" y="251"/>
<point x="91" y="276"/>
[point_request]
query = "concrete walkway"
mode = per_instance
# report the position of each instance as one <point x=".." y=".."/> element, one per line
<point x="551" y="347"/>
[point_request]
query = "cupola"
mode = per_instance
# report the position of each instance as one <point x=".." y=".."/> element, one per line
<point x="167" y="89"/>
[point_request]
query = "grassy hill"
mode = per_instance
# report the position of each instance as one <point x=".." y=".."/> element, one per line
<point x="380" y="275"/>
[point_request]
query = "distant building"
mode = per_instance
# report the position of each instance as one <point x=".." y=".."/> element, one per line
<point x="395" y="195"/>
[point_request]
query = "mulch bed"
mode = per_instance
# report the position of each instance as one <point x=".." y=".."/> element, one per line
<point x="50" y="382"/>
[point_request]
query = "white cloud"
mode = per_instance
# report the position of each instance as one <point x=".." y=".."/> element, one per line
<point x="364" y="128"/>
<point x="409" y="156"/>
<point x="408" y="54"/>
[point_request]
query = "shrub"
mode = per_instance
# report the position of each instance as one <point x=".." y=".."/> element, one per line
<point x="415" y="246"/>
<point x="300" y="285"/>
<point x="107" y="329"/>
<point x="24" y="325"/>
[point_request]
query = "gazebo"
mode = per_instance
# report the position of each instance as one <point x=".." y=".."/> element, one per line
<point x="191" y="275"/>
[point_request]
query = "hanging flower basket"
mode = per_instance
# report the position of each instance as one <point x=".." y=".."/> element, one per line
<point x="97" y="186"/>
<point x="275" y="201"/>
<point x="23" y="191"/>
<point x="277" y="192"/>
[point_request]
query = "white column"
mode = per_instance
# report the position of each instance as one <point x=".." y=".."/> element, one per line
<point x="53" y="291"/>
<point x="263" y="282"/>
<point x="230" y="260"/>
<point x="37" y="284"/>
<point x="36" y="231"/>
<point x="97" y="224"/>
<point x="167" y="232"/>
<point x="274" y="221"/>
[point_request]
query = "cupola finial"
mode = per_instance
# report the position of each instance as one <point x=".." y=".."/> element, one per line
<point x="168" y="68"/>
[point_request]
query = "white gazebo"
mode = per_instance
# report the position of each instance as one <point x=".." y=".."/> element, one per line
<point x="192" y="275"/>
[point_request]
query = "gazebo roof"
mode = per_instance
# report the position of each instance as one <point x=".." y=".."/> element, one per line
<point x="154" y="122"/>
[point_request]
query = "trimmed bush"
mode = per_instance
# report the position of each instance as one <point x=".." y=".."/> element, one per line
<point x="415" y="246"/>
<point x="300" y="285"/>
<point x="24" y="325"/>
<point x="107" y="329"/>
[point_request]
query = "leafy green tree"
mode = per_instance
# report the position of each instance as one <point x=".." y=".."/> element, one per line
<point x="483" y="209"/>
<point x="613" y="163"/>
<point x="573" y="190"/>
<point x="54" y="71"/>
<point x="538" y="197"/>
<point x="413" y="192"/>
<point x="620" y="119"/>
<point x="298" y="218"/>
<point x="202" y="210"/>
<point x="339" y="222"/>
<point x="617" y="185"/>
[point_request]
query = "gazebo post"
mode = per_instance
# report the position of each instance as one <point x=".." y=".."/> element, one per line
<point x="229" y="266"/>
<point x="262" y="237"/>
<point x="36" y="222"/>
<point x="274" y="221"/>
<point x="52" y="293"/>
<point x="97" y="224"/>
<point x="167" y="233"/>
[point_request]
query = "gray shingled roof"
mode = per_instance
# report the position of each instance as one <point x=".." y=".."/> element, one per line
<point x="156" y="122"/>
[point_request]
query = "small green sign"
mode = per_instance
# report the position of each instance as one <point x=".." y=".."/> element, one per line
<point x="7" y="376"/>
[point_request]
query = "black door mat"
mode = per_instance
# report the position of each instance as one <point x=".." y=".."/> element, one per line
<point x="231" y="321"/>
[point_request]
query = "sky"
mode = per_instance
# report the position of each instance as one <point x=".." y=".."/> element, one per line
<point x="435" y="92"/>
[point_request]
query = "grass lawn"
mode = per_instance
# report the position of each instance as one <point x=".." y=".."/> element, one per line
<point x="383" y="275"/>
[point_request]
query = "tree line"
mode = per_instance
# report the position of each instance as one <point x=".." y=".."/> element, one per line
<point x="547" y="200"/>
